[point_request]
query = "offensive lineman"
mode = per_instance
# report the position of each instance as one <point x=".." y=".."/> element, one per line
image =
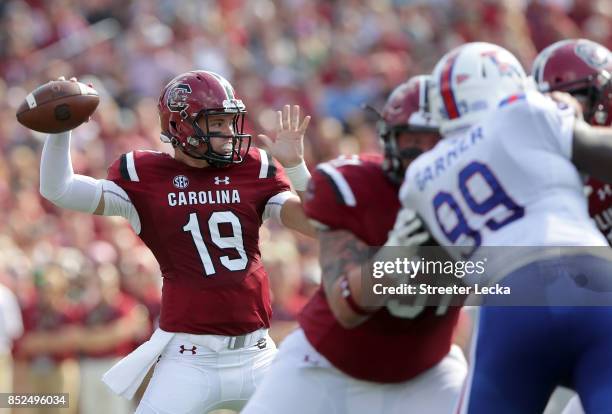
<point x="345" y="359"/>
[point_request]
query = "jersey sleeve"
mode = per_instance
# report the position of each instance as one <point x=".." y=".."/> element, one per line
<point x="277" y="188"/>
<point x="118" y="186"/>
<point x="124" y="169"/>
<point x="329" y="199"/>
<point x="274" y="174"/>
<point x="554" y="122"/>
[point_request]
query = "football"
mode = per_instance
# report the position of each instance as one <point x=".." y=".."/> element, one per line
<point x="58" y="106"/>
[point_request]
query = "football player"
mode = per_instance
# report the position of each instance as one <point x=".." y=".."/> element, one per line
<point x="344" y="359"/>
<point x="199" y="211"/>
<point x="583" y="69"/>
<point x="505" y="173"/>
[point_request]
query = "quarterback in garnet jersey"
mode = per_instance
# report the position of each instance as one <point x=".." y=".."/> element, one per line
<point x="199" y="211"/>
<point x="202" y="225"/>
<point x="389" y="362"/>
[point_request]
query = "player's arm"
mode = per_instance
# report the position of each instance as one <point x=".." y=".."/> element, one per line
<point x="293" y="217"/>
<point x="591" y="146"/>
<point x="592" y="150"/>
<point x="342" y="256"/>
<point x="287" y="147"/>
<point x="60" y="185"/>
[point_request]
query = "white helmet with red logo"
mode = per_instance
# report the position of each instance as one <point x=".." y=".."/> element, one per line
<point x="471" y="80"/>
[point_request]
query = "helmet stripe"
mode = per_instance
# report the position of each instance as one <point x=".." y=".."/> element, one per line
<point x="446" y="89"/>
<point x="227" y="87"/>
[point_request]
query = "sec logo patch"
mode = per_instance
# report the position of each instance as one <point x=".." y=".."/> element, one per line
<point x="181" y="182"/>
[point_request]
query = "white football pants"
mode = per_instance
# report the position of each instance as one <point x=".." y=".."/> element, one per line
<point x="302" y="381"/>
<point x="193" y="379"/>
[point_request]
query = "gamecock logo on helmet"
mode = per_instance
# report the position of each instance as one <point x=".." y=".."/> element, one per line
<point x="177" y="97"/>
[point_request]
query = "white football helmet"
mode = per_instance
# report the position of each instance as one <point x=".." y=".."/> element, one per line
<point x="470" y="80"/>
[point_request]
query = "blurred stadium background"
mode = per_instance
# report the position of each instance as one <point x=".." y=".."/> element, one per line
<point x="89" y="283"/>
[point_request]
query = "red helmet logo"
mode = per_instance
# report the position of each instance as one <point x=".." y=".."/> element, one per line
<point x="177" y="97"/>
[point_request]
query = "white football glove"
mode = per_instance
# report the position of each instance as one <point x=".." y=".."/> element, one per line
<point x="408" y="230"/>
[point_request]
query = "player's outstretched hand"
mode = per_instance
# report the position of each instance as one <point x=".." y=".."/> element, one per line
<point x="288" y="144"/>
<point x="408" y="230"/>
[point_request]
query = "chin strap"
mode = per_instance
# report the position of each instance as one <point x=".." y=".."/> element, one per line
<point x="177" y="146"/>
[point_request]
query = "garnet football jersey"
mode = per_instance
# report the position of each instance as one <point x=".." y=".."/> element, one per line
<point x="600" y="206"/>
<point x="354" y="194"/>
<point x="202" y="225"/>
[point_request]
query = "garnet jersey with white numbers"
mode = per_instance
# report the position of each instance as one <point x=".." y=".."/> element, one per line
<point x="202" y="225"/>
<point x="354" y="194"/>
<point x="507" y="181"/>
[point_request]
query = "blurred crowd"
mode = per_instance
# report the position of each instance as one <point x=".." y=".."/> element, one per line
<point x="86" y="287"/>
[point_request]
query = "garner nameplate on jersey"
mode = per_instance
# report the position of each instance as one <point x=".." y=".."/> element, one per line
<point x="32" y="400"/>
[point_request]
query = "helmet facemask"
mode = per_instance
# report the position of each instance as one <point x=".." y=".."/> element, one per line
<point x="199" y="144"/>
<point x="594" y="92"/>
<point x="397" y="159"/>
<point x="241" y="142"/>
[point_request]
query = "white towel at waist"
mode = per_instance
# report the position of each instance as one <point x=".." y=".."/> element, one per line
<point x="125" y="376"/>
